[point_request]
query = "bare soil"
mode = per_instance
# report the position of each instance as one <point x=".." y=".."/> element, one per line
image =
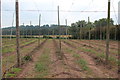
<point x="63" y="63"/>
<point x="63" y="68"/>
<point x="28" y="70"/>
<point x="100" y="71"/>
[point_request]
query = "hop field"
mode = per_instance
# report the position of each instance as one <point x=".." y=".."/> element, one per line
<point x="77" y="59"/>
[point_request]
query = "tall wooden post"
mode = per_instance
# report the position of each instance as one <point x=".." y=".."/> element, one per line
<point x="81" y="32"/>
<point x="66" y="28"/>
<point x="30" y="23"/>
<point x="26" y="33"/>
<point x="115" y="32"/>
<point x="31" y="29"/>
<point x="118" y="38"/>
<point x="12" y="26"/>
<point x="107" y="33"/>
<point x="100" y="32"/>
<point x="89" y="30"/>
<point x="59" y="32"/>
<point x="17" y="33"/>
<point x="0" y="45"/>
<point x="39" y="29"/>
<point x="53" y="33"/>
<point x="23" y="30"/>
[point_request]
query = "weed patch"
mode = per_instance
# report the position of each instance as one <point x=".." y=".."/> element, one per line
<point x="12" y="73"/>
<point x="83" y="64"/>
<point x="42" y="66"/>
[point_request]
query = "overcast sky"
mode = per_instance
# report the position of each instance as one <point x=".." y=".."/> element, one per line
<point x="72" y="10"/>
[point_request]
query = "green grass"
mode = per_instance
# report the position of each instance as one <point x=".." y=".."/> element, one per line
<point x="78" y="59"/>
<point x="42" y="66"/>
<point x="10" y="59"/>
<point x="10" y="75"/>
<point x="76" y="55"/>
<point x="83" y="64"/>
<point x="8" y="45"/>
<point x="8" y="50"/>
<point x="100" y="55"/>
<point x="12" y="49"/>
<point x="28" y="42"/>
<point x="13" y="72"/>
<point x="87" y="50"/>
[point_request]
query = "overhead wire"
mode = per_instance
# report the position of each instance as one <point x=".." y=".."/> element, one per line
<point x="62" y="11"/>
<point x="66" y="11"/>
<point x="115" y="13"/>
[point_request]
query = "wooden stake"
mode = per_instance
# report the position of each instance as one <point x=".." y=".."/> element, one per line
<point x="12" y="26"/>
<point x="66" y="28"/>
<point x="17" y="34"/>
<point x="39" y="29"/>
<point x="115" y="32"/>
<point x="100" y="32"/>
<point x="31" y="29"/>
<point x="23" y="30"/>
<point x="0" y="45"/>
<point x="107" y="34"/>
<point x="59" y="33"/>
<point x="89" y="30"/>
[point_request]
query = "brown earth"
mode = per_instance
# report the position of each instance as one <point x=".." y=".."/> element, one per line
<point x="63" y="65"/>
<point x="98" y="69"/>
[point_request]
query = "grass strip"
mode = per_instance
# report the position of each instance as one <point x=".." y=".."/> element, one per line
<point x="42" y="66"/>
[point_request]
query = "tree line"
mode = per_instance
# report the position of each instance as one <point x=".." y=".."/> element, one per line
<point x="79" y="30"/>
<point x="35" y="30"/>
<point x="96" y="30"/>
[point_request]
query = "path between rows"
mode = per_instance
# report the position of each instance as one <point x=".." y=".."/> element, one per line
<point x="64" y="68"/>
<point x="7" y="64"/>
<point x="99" y="70"/>
<point x="13" y="53"/>
<point x="28" y="69"/>
<point x="96" y="47"/>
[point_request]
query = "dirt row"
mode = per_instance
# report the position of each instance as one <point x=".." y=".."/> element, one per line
<point x="96" y="47"/>
<point x="7" y="64"/>
<point x="62" y="64"/>
<point x="113" y="44"/>
<point x="93" y="64"/>
<point x="57" y="69"/>
<point x="12" y="42"/>
<point x="21" y="47"/>
<point x="28" y="69"/>
<point x="62" y="67"/>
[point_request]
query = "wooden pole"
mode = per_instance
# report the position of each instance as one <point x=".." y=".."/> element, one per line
<point x="66" y="28"/>
<point x="107" y="33"/>
<point x="39" y="29"/>
<point x="0" y="45"/>
<point x="26" y="33"/>
<point x="89" y="30"/>
<point x="53" y="34"/>
<point x="23" y="30"/>
<point x="30" y="23"/>
<point x="17" y="33"/>
<point x="118" y="38"/>
<point x="100" y="32"/>
<point x="12" y="26"/>
<point x="115" y="32"/>
<point x="31" y="29"/>
<point x="81" y="32"/>
<point x="59" y="32"/>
